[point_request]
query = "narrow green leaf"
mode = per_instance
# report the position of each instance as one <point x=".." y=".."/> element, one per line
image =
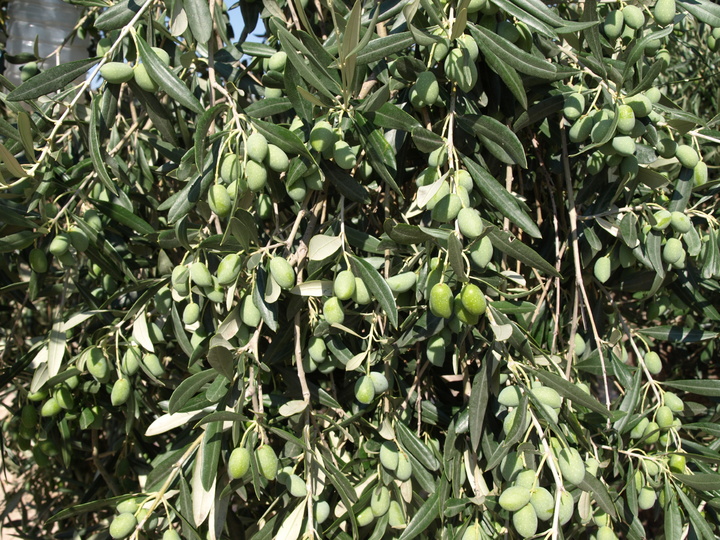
<point x="402" y="233"/>
<point x="653" y="247"/>
<point x="118" y="15"/>
<point x="678" y="334"/>
<point x="479" y="397"/>
<point x="95" y="147"/>
<point x="324" y="84"/>
<point x="346" y="184"/>
<point x="212" y="443"/>
<point x="188" y="388"/>
<point x="281" y="137"/>
<point x="268" y="107"/>
<point x="628" y="230"/>
<point x="51" y="79"/>
<point x="491" y="129"/>
<point x="18" y="240"/>
<point x="500" y="198"/>
<point x="221" y="359"/>
<point x="455" y="250"/>
<point x="201" y="129"/>
<point x="390" y="116"/>
<point x="521" y="14"/>
<point x="699" y="523"/>
<point x="673" y="518"/>
<point x="702" y="387"/>
<point x="199" y="18"/>
<point x="383" y="47"/>
<point x="377" y="286"/>
<point x="123" y="216"/>
<point x="416" y="447"/>
<point x="509" y="76"/>
<point x="168" y="81"/>
<point x="599" y="493"/>
<point x="426" y="140"/>
<point x="700" y="481"/>
<point x="510" y="245"/>
<point x="568" y="390"/>
<point x="683" y="189"/>
<point x="268" y="312"/>
<point x="11" y="163"/>
<point x="189" y="196"/>
<point x="511" y="54"/>
<point x="422" y="519"/>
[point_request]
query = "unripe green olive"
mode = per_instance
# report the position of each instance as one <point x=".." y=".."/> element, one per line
<point x="200" y="274"/>
<point x="361" y="295"/>
<point x="672" y="251"/>
<point x="664" y="12"/>
<point x="171" y="534"/>
<point x="633" y="17"/>
<point x="674" y="402"/>
<point x="267" y="461"/>
<point x="277" y="61"/>
<point x="364" y="390"/>
<point x="219" y="200"/>
<point x="473" y="300"/>
<point x="144" y="80"/>
<point x="441" y="300"/>
<point x="510" y="396"/>
<point x="322" y="511"/>
<point x="230" y="168"/>
<point x="651" y="433"/>
<point x="277" y="159"/>
<point x="97" y="365"/>
<point x="365" y="517"/>
<point x="50" y="408"/>
<point x="333" y="311"/>
<point x="547" y="396"/>
<point x="687" y="156"/>
<point x="571" y="465"/>
<point x="282" y="272"/>
<point x="131" y="360"/>
<point x="624" y="145"/>
<point x="191" y="313"/>
<point x="380" y="382"/>
<point x="403" y="471"/>
<point x="116" y="72"/>
<point x="59" y="245"/>
<point x="567" y="507"/>
<point x="605" y="533"/>
<point x="470" y="223"/>
<point x="602" y="269"/>
<point x="122" y="525"/>
<point x="613" y="25"/>
<point x="322" y="136"/>
<point x="436" y="349"/>
<point x="249" y="313"/>
<point x="481" y="252"/>
<point x="180" y="280"/>
<point x="639" y="430"/>
<point x="514" y="498"/>
<point x="543" y="502"/>
<point x="317" y="349"/>
<point x="344" y="285"/>
<point x="396" y="518"/>
<point x="460" y="69"/>
<point x="425" y="91"/>
<point x="700" y="173"/>
<point x="380" y="501"/>
<point x="255" y="175"/>
<point x="525" y="521"/>
<point x="664" y="417"/>
<point x="229" y="269"/>
<point x="646" y="498"/>
<point x="296" y="485"/>
<point x="402" y="282"/>
<point x="447" y="208"/>
<point x="677" y="463"/>
<point x="641" y="105"/>
<point x="666" y="147"/>
<point x="120" y="392"/>
<point x="153" y="365"/>
<point x="581" y="129"/>
<point x="343" y="155"/>
<point x="256" y="147"/>
<point x="574" y="106"/>
<point x="238" y="462"/>
<point x="389" y="455"/>
<point x="38" y="261"/>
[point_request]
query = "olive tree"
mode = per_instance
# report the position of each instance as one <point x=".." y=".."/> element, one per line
<point x="406" y="269"/>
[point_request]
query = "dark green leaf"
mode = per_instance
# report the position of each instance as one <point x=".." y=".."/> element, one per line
<point x="18" y="240"/>
<point x="500" y="134"/>
<point x="702" y="387"/>
<point x="118" y="15"/>
<point x="202" y="126"/>
<point x="198" y="15"/>
<point x="422" y="519"/>
<point x="568" y="390"/>
<point x="678" y="334"/>
<point x="268" y="107"/>
<point x="599" y="492"/>
<point x="703" y="10"/>
<point x="500" y="198"/>
<point x="51" y="79"/>
<point x="211" y="455"/>
<point x="699" y="523"/>
<point x="455" y="250"/>
<point x="383" y="47"/>
<point x="95" y="149"/>
<point x="281" y="137"/>
<point x="346" y="184"/>
<point x="510" y="245"/>
<point x="123" y="216"/>
<point x="268" y="312"/>
<point x="416" y="447"/>
<point x="188" y="388"/>
<point x="425" y="140"/>
<point x="673" y="519"/>
<point x="700" y="481"/>
<point x="377" y="286"/>
<point x="479" y="396"/>
<point x="390" y="116"/>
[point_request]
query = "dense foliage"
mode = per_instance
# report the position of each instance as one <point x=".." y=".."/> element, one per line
<point x="426" y="269"/>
